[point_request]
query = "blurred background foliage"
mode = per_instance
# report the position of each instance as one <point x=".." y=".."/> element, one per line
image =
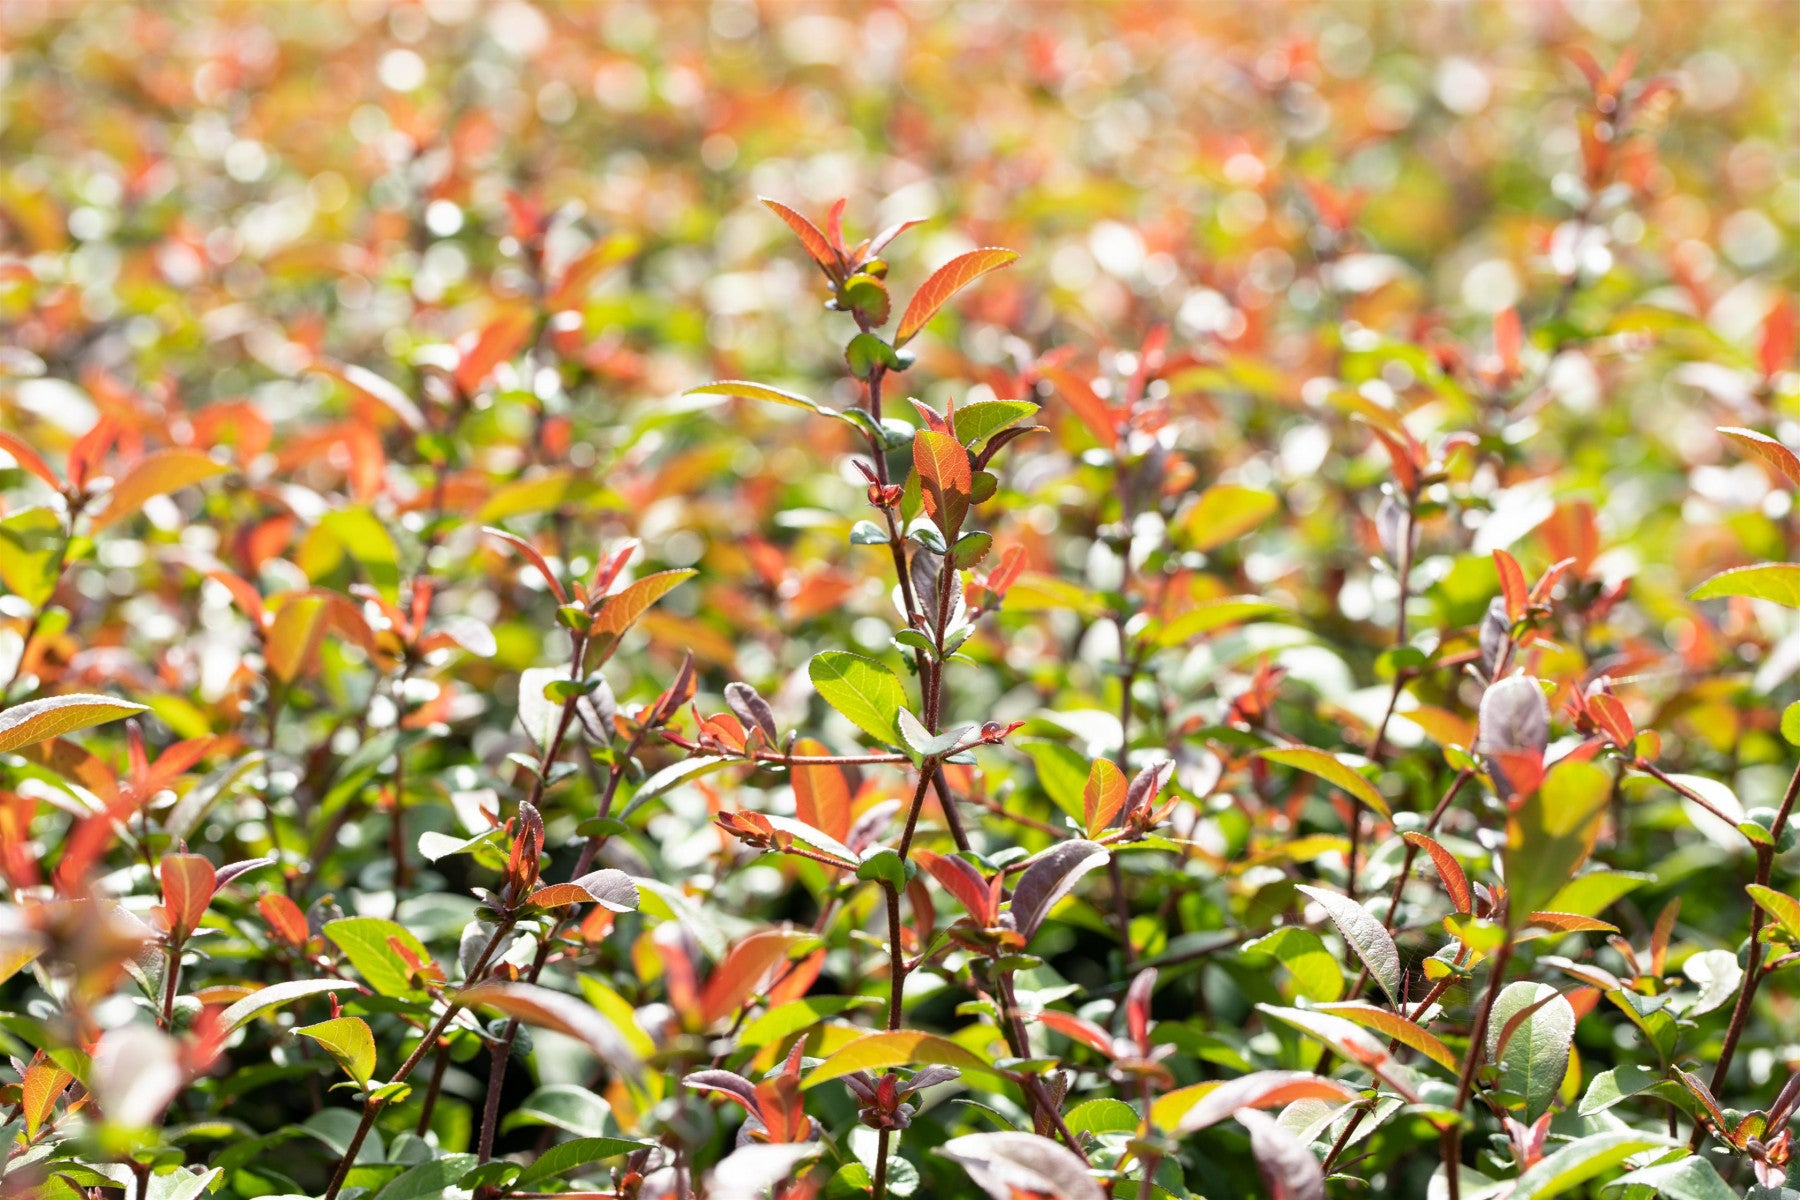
<point x="209" y="211"/>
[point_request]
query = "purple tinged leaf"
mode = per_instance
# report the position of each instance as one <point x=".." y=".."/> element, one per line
<point x="1007" y="1164"/>
<point x="1147" y="784"/>
<point x="1050" y="878"/>
<point x="1515" y="717"/>
<point x="1288" y="1168"/>
<point x="1496" y="632"/>
<point x="610" y="888"/>
<point x="727" y="1084"/>
<point x="231" y="871"/>
<point x="751" y="709"/>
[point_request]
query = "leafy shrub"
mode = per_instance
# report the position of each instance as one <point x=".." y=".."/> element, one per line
<point x="1283" y="696"/>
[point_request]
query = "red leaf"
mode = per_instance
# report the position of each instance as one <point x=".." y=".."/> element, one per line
<point x="28" y="459"/>
<point x="821" y="792"/>
<point x="284" y="918"/>
<point x="960" y="878"/>
<point x="1448" y="869"/>
<point x="1078" y="1029"/>
<point x="499" y="340"/>
<point x="188" y="881"/>
<point x="816" y="243"/>
<point x="944" y="283"/>
<point x="745" y="968"/>
<point x="1094" y="412"/>
<point x="945" y="479"/>
<point x="1512" y="584"/>
<point x="1777" y="347"/>
<point x="533" y="557"/>
<point x="1509" y="339"/>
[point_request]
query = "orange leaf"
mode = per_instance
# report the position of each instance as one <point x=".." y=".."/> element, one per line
<point x="1773" y="453"/>
<point x="499" y="340"/>
<point x="1103" y="796"/>
<point x="1448" y="869"/>
<point x="821" y="792"/>
<point x="944" y="283"/>
<point x="1094" y="412"/>
<point x="28" y="458"/>
<point x="946" y="480"/>
<point x="816" y="243"/>
<point x="1512" y="584"/>
<point x="284" y="918"/>
<point x="188" y="881"/>
<point x="624" y="607"/>
<point x="164" y="471"/>
<point x="1777" y="347"/>
<point x="746" y="966"/>
<point x="42" y="1083"/>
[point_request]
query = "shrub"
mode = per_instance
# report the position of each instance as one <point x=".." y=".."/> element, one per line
<point x="1314" y="736"/>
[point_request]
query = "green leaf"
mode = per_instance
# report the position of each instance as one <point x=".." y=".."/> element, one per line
<point x="349" y="1041"/>
<point x="364" y="941"/>
<point x="868" y="296"/>
<point x="785" y="1020"/>
<point x="1690" y="1178"/>
<point x="275" y="995"/>
<point x="1365" y="935"/>
<point x="1778" y="583"/>
<point x="1790" y="723"/>
<point x="1315" y="969"/>
<point x="1223" y="512"/>
<point x="562" y="1106"/>
<point x="760" y="391"/>
<point x="40" y="720"/>
<point x="1536" y="1056"/>
<point x="1105" y="1115"/>
<point x="1332" y="770"/>
<point x="1214" y="615"/>
<point x="1397" y="1028"/>
<point x="429" y="1180"/>
<point x="985" y="418"/>
<point x="1785" y="909"/>
<point x="181" y="1184"/>
<point x="866" y="351"/>
<point x="566" y="1156"/>
<point x="1580" y="1161"/>
<point x="1610" y="1087"/>
<point x="865" y="692"/>
<point x="1718" y="974"/>
<point x="1550" y="834"/>
<point x="31" y="554"/>
<point x="896" y="1048"/>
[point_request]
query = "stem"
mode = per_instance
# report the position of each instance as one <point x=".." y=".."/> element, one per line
<point x="1753" y="972"/>
<point x="1378" y="744"/>
<point x="439" y="1065"/>
<point x="896" y="957"/>
<point x="882" y="1141"/>
<point x="171" y="983"/>
<point x="372" y="1106"/>
<point x="918" y="802"/>
<point x="1151" y="1158"/>
<point x="1452" y="1139"/>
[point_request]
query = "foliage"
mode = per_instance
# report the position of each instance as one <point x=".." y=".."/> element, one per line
<point x="1244" y="651"/>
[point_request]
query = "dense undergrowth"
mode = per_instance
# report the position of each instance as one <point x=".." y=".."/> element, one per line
<point x="1221" y="626"/>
